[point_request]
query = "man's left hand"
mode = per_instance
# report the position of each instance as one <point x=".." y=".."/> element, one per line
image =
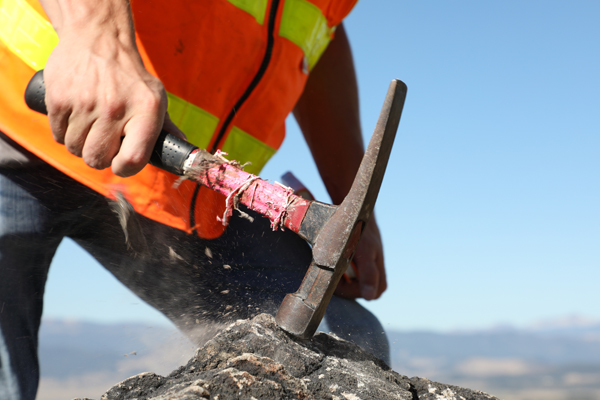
<point x="371" y="281"/>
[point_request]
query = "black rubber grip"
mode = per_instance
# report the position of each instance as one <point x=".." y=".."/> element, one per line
<point x="35" y="94"/>
<point x="169" y="153"/>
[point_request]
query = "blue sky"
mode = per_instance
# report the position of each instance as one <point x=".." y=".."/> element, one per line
<point x="490" y="205"/>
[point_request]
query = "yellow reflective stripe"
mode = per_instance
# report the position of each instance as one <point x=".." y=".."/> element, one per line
<point x="243" y="147"/>
<point x="304" y="24"/>
<point x="26" y="33"/>
<point x="198" y="125"/>
<point x="256" y="8"/>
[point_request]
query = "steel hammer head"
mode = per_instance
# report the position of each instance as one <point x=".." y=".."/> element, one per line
<point x="336" y="231"/>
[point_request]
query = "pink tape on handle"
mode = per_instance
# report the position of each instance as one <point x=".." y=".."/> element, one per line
<point x="276" y="202"/>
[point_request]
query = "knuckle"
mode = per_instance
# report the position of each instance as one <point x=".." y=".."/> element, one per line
<point x="113" y="111"/>
<point x="137" y="160"/>
<point x="156" y="85"/>
<point x="152" y="102"/>
<point x="96" y="163"/>
<point x="85" y="101"/>
<point x="96" y="160"/>
<point x="55" y="100"/>
<point x="54" y="105"/>
<point x="99" y="151"/>
<point x="74" y="146"/>
<point x="153" y="98"/>
<point x="131" y="164"/>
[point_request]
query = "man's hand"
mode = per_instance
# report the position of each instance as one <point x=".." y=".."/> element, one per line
<point x="103" y="105"/>
<point x="371" y="282"/>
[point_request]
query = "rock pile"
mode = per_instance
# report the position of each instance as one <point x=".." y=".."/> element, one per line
<point x="255" y="359"/>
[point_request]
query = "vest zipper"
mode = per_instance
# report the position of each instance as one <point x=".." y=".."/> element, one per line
<point x="255" y="81"/>
<point x="257" y="78"/>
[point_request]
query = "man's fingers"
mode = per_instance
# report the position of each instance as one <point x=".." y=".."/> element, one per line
<point x="382" y="278"/>
<point x="140" y="137"/>
<point x="102" y="143"/>
<point x="170" y="127"/>
<point x="142" y="128"/>
<point x="369" y="279"/>
<point x="371" y="282"/>
<point x="59" y="121"/>
<point x="348" y="290"/>
<point x="75" y="136"/>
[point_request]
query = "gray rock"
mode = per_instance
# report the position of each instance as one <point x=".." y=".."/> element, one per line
<point x="255" y="359"/>
<point x="424" y="389"/>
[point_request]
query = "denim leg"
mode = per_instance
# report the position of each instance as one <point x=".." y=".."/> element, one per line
<point x="38" y="207"/>
<point x="27" y="245"/>
<point x="351" y="321"/>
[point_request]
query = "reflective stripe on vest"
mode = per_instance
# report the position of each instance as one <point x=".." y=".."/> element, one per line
<point x="27" y="34"/>
<point x="256" y="8"/>
<point x="302" y="22"/>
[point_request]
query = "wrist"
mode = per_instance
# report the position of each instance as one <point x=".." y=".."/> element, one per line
<point x="91" y="19"/>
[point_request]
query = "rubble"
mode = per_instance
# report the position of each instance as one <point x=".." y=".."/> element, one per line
<point x="255" y="359"/>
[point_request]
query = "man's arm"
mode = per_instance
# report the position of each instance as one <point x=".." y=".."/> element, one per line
<point x="327" y="113"/>
<point x="103" y="105"/>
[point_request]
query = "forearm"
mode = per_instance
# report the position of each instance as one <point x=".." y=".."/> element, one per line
<point x="328" y="114"/>
<point x="113" y="17"/>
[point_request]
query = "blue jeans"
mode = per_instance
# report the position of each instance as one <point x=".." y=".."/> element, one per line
<point x="248" y="270"/>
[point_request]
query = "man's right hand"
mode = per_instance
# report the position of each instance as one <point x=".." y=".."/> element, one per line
<point x="103" y="105"/>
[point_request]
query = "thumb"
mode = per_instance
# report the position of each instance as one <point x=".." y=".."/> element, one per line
<point x="170" y="127"/>
<point x="140" y="137"/>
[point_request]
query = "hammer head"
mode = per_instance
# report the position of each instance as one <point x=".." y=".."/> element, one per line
<point x="336" y="231"/>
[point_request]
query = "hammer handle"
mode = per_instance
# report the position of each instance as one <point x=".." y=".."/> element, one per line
<point x="170" y="152"/>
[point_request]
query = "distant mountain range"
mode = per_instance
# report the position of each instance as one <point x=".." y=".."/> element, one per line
<point x="537" y="347"/>
<point x="82" y="359"/>
<point x="545" y="361"/>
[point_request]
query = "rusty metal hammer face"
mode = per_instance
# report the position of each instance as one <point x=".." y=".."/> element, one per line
<point x="332" y="231"/>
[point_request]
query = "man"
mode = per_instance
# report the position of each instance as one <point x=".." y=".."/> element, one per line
<point x="232" y="70"/>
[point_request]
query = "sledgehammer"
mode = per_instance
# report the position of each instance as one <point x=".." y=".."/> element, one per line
<point x="332" y="231"/>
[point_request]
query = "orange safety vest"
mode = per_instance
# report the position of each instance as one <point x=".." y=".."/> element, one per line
<point x="233" y="71"/>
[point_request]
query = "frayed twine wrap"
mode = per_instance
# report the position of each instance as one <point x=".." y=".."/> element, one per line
<point x="232" y="201"/>
<point x="277" y="221"/>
